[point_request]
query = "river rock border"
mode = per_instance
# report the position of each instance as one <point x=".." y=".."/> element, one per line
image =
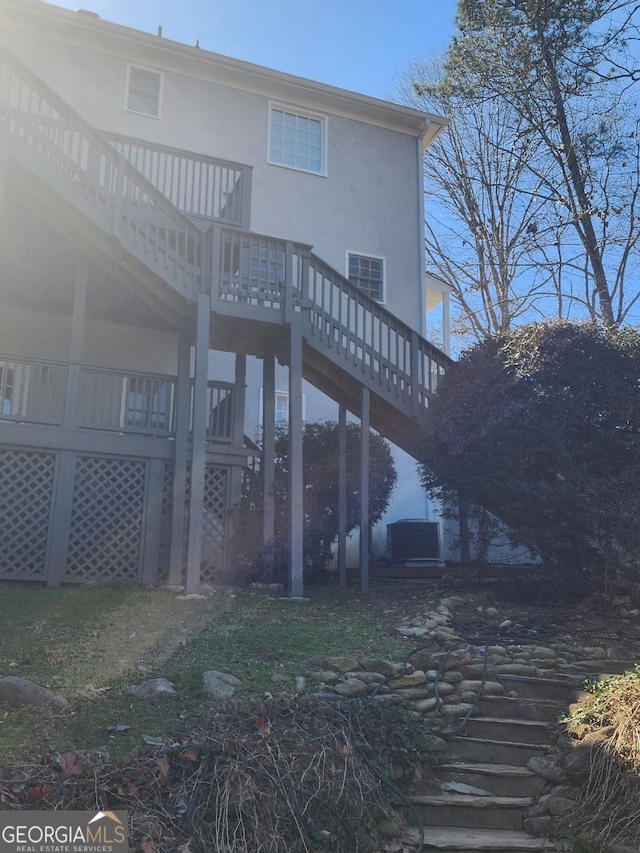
<point x="444" y="674"/>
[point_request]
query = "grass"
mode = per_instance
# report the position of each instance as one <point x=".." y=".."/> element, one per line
<point x="92" y="643"/>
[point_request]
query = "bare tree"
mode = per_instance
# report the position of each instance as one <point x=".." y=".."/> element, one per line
<point x="564" y="68"/>
<point x="485" y="209"/>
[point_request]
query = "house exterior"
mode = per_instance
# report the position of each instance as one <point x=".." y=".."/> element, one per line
<point x="176" y="226"/>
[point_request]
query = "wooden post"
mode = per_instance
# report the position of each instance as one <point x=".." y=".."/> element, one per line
<point x="268" y="446"/>
<point x="198" y="446"/>
<point x="342" y="496"/>
<point x="152" y="521"/>
<point x="364" y="491"/>
<point x="239" y="399"/>
<point x="62" y="505"/>
<point x="181" y="460"/>
<point x="296" y="471"/>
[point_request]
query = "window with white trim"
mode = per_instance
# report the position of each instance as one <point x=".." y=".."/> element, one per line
<point x="281" y="415"/>
<point x="144" y="91"/>
<point x="297" y="140"/>
<point x="367" y="273"/>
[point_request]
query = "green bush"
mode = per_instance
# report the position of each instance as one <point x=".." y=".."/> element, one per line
<point x="320" y="471"/>
<point x="541" y="426"/>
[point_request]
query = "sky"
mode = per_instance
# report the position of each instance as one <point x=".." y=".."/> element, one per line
<point x="361" y="45"/>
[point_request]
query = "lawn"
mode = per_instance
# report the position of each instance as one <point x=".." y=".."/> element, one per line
<point x="92" y="643"/>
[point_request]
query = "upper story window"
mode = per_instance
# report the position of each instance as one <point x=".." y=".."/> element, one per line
<point x="144" y="91"/>
<point x="297" y="140"/>
<point x="367" y="273"/>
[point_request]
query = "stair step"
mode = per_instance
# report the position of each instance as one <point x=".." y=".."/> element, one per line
<point x="468" y="810"/>
<point x="503" y="780"/>
<point x="544" y="710"/>
<point x="512" y="730"/>
<point x="488" y="751"/>
<point x="530" y="687"/>
<point x="453" y="839"/>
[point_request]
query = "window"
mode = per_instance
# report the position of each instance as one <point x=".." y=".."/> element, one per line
<point x="282" y="408"/>
<point x="367" y="274"/>
<point x="6" y="389"/>
<point x="281" y="416"/>
<point x="144" y="89"/>
<point x="297" y="140"/>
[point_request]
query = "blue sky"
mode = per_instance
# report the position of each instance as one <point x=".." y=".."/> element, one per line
<point x="361" y="45"/>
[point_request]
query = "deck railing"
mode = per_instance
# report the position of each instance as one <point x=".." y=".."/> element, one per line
<point x="126" y="402"/>
<point x="365" y="337"/>
<point x="34" y="391"/>
<point x="254" y="271"/>
<point x="204" y="187"/>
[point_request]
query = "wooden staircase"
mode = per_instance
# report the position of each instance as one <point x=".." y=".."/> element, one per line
<point x="484" y="785"/>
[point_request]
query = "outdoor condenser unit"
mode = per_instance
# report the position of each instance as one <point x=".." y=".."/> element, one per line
<point x="414" y="539"/>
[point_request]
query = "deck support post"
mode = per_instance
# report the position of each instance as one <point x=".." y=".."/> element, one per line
<point x="63" y="501"/>
<point x="296" y="472"/>
<point x="181" y="460"/>
<point x="268" y="448"/>
<point x="198" y="446"/>
<point x="342" y="496"/>
<point x="364" y="491"/>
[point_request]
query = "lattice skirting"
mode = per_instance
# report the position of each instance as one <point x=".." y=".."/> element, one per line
<point x="26" y="496"/>
<point x="104" y="525"/>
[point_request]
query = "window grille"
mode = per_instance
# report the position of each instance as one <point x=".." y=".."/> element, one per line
<point x="368" y="275"/>
<point x="297" y="141"/>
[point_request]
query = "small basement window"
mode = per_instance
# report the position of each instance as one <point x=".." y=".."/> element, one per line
<point x="144" y="90"/>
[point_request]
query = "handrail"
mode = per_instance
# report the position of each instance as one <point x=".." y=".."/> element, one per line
<point x="367" y="337"/>
<point x="115" y="194"/>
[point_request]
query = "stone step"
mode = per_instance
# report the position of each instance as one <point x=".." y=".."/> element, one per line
<point x="486" y="751"/>
<point x="471" y="811"/>
<point x="521" y="709"/>
<point x="453" y="839"/>
<point x="503" y="780"/>
<point x="512" y="730"/>
<point x="558" y="689"/>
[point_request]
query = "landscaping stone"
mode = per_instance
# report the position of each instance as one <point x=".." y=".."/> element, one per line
<point x="351" y="688"/>
<point x="21" y="691"/>
<point x="412" y="679"/>
<point x="152" y="688"/>
<point x="220" y="685"/>
<point x="619" y="653"/>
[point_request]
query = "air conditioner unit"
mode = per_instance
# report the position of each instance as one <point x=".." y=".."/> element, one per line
<point x="413" y="539"/>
